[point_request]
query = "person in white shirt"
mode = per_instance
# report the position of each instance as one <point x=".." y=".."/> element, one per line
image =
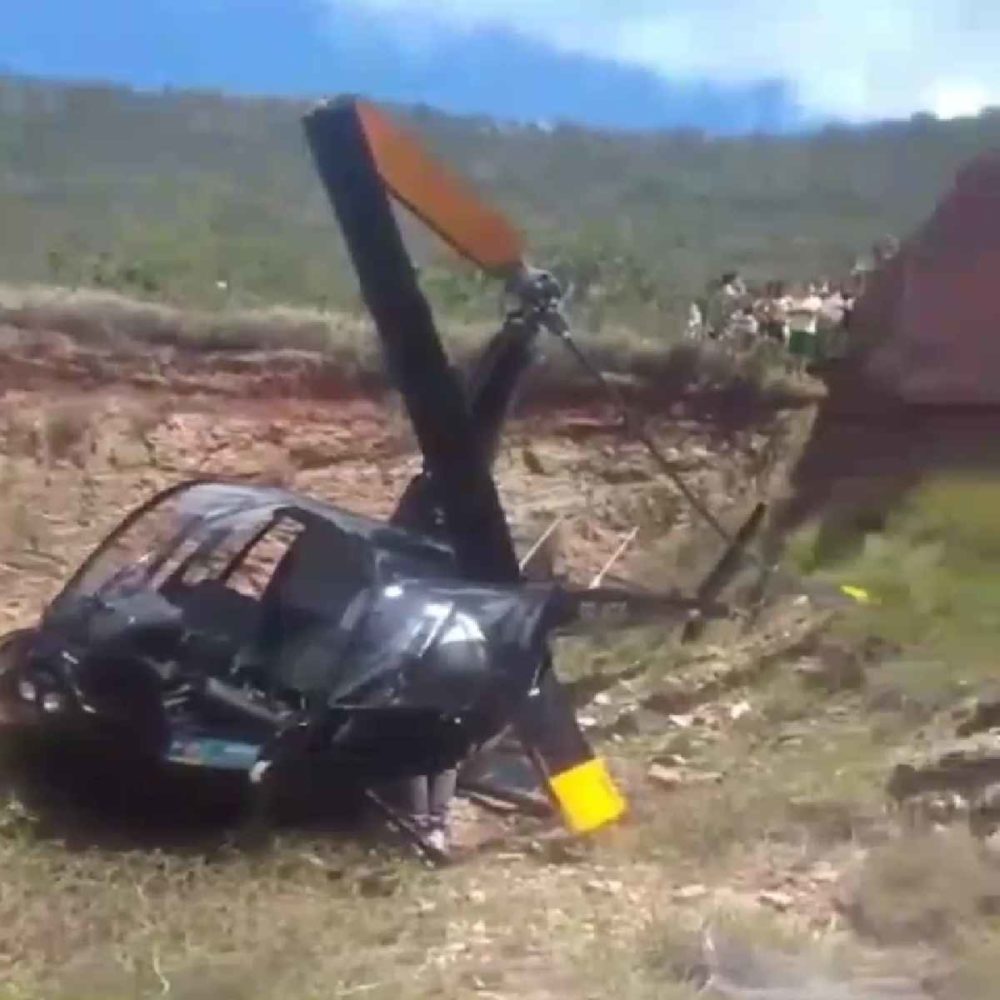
<point x="831" y="324"/>
<point x="727" y="296"/>
<point x="803" y="326"/>
<point x="774" y="322"/>
<point x="831" y="310"/>
<point x="743" y="328"/>
<point x="695" y="326"/>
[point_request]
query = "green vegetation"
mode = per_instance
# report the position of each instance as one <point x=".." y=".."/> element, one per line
<point x="153" y="203"/>
<point x="167" y="195"/>
<point x="931" y="572"/>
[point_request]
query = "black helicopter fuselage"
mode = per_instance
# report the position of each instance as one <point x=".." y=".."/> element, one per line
<point x="264" y="616"/>
<point x="256" y="627"/>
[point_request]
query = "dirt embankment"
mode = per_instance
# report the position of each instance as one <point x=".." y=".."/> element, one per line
<point x="867" y="450"/>
<point x="87" y="432"/>
<point x="752" y="793"/>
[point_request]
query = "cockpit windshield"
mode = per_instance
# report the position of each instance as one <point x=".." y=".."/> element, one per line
<point x="192" y="528"/>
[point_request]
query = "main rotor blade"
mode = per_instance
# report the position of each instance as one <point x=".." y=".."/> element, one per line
<point x="416" y="359"/>
<point x="491" y="389"/>
<point x="361" y="158"/>
<point x="444" y="202"/>
<point x="577" y="779"/>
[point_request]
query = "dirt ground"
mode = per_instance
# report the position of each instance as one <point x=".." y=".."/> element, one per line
<point x="752" y="799"/>
<point x="86" y="434"/>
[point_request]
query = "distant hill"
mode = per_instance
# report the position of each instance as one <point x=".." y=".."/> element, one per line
<point x="169" y="193"/>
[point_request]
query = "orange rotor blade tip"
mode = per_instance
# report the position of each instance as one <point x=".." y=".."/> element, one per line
<point x="443" y="201"/>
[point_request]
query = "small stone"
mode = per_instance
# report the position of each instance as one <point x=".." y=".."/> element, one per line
<point x="687" y="893"/>
<point x="776" y="899"/>
<point x="979" y="714"/>
<point x="825" y="872"/>
<point x="669" y="777"/>
<point x="679" y="777"/>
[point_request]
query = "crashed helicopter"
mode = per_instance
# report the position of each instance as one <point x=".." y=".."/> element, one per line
<point x="242" y="627"/>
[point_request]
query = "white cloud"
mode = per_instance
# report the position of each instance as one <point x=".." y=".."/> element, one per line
<point x="860" y="59"/>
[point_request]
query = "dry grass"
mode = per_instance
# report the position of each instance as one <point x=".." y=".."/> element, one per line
<point x="314" y="919"/>
<point x="932" y="888"/>
<point x="802" y="776"/>
<point x="319" y="918"/>
<point x="976" y="971"/>
<point x="110" y="320"/>
<point x="808" y="789"/>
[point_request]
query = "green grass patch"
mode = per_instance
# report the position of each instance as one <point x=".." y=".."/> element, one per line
<point x="932" y="573"/>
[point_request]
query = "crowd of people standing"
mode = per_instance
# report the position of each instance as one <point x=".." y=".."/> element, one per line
<point x="810" y="319"/>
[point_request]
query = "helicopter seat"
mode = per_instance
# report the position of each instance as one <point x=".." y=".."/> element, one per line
<point x="303" y="613"/>
<point x="212" y="606"/>
<point x="307" y="664"/>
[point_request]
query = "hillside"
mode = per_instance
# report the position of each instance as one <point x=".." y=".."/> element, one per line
<point x="813" y="783"/>
<point x="756" y="760"/>
<point x="168" y="193"/>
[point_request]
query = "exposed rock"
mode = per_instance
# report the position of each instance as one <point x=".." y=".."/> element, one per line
<point x="979" y="714"/>
<point x="689" y="893"/>
<point x="776" y="899"/>
<point x="739" y="709"/>
<point x="963" y="765"/>
<point x="834" y="667"/>
<point x="739" y="968"/>
<point x="681" y="777"/>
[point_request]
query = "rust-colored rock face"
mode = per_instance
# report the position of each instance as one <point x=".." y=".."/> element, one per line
<point x="918" y="394"/>
<point x="928" y="327"/>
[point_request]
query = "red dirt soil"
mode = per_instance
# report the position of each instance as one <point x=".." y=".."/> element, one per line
<point x="85" y="434"/>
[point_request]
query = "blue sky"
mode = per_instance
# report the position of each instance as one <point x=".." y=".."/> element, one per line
<point x="722" y="65"/>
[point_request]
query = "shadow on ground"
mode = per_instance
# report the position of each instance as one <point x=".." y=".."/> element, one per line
<point x="86" y="795"/>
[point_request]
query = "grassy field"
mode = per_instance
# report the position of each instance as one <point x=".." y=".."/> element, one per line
<point x="769" y="834"/>
<point x="785" y="853"/>
<point x="111" y="322"/>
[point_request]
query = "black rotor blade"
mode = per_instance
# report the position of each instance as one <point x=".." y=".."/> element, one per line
<point x="454" y="451"/>
<point x="415" y="356"/>
<point x="493" y="383"/>
<point x="727" y="566"/>
<point x="576" y="779"/>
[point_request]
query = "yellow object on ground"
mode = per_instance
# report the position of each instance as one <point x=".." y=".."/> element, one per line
<point x="858" y="593"/>
<point x="588" y="797"/>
